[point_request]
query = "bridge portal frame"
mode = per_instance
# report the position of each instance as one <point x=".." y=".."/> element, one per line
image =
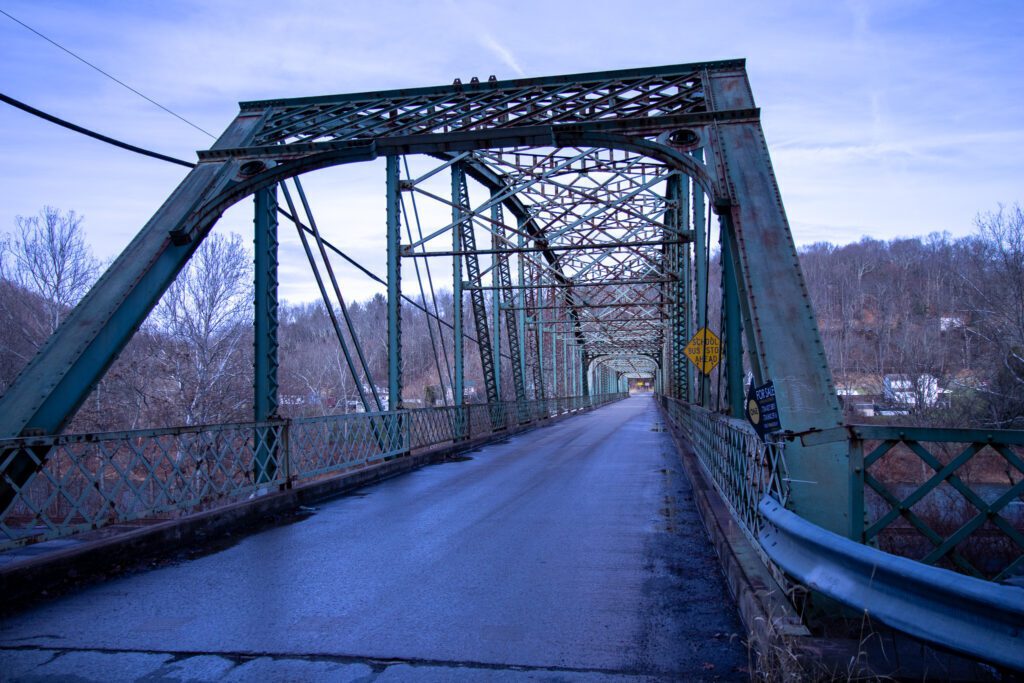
<point x="675" y="115"/>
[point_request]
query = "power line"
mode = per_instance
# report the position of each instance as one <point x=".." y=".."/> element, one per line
<point x="93" y="66"/>
<point x="93" y="134"/>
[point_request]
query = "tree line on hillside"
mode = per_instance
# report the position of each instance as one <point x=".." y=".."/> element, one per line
<point x="930" y="327"/>
<point x="191" y="361"/>
<point x="947" y="309"/>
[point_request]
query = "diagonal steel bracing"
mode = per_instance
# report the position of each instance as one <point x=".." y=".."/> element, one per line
<point x="508" y="303"/>
<point x="476" y="296"/>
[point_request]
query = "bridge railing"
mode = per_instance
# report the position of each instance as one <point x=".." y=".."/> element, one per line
<point x="91" y="481"/>
<point x="743" y="467"/>
<point x="953" y="498"/>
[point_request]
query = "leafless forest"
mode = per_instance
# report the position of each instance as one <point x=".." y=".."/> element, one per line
<point x="943" y="316"/>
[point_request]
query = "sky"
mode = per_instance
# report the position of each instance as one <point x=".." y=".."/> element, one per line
<point x="883" y="119"/>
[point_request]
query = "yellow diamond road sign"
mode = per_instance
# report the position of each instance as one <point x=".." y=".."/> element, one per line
<point x="704" y="350"/>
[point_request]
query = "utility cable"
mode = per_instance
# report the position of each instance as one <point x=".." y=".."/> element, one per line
<point x="93" y="66"/>
<point x="430" y="278"/>
<point x="430" y="325"/>
<point x="337" y="292"/>
<point x="92" y="134"/>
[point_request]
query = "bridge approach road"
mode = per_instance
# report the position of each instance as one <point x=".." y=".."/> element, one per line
<point x="571" y="552"/>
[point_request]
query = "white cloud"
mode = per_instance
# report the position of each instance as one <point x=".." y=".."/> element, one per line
<point x="502" y="52"/>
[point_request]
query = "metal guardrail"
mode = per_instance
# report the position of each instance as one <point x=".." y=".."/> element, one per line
<point x="966" y="614"/>
<point x="90" y="481"/>
<point x="971" y="616"/>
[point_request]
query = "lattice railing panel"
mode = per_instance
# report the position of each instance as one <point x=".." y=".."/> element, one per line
<point x="949" y="497"/>
<point x="743" y="467"/>
<point x="93" y="481"/>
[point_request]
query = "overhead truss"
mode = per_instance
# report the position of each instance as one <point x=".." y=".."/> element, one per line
<point x="593" y="226"/>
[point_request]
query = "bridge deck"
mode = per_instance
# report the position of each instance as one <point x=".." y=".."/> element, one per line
<point x="572" y="552"/>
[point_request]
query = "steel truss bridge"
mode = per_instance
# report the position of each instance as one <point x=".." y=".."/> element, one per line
<point x="593" y="223"/>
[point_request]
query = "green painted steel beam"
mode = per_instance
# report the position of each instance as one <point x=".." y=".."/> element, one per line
<point x="265" y="356"/>
<point x="476" y="296"/>
<point x="265" y="329"/>
<point x="732" y="334"/>
<point x="489" y="86"/>
<point x="394" y="280"/>
<point x="787" y="347"/>
<point x="458" y="380"/>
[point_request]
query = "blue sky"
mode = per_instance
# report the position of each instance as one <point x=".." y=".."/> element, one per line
<point x="883" y="118"/>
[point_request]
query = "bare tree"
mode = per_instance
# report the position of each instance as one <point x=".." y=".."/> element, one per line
<point x="205" y="314"/>
<point x="997" y="286"/>
<point x="45" y="268"/>
<point x="47" y="256"/>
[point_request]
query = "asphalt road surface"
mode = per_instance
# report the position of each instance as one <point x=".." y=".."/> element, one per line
<point x="569" y="553"/>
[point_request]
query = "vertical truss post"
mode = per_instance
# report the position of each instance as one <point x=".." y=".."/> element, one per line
<point x="521" y="300"/>
<point x="701" y="264"/>
<point x="733" y="324"/>
<point x="540" y="353"/>
<point x="394" y="268"/>
<point x="496" y="296"/>
<point x="584" y="373"/>
<point x="554" y="363"/>
<point x="265" y="346"/>
<point x="458" y="179"/>
<point x="680" y="306"/>
<point x="576" y="358"/>
<point x="536" y="350"/>
<point x="685" y="315"/>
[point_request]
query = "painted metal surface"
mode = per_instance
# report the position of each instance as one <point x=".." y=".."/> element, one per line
<point x="966" y="615"/>
<point x="583" y="163"/>
<point x="394" y="279"/>
<point x="946" y="497"/>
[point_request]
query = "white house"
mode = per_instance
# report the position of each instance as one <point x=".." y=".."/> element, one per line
<point x="908" y="389"/>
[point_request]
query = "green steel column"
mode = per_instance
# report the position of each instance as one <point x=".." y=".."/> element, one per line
<point x="394" y="268"/>
<point x="701" y="266"/>
<point x="566" y="369"/>
<point x="521" y="298"/>
<point x="688" y="295"/>
<point x="733" y="327"/>
<point x="684" y="303"/>
<point x="540" y="343"/>
<point x="584" y="373"/>
<point x="555" y="391"/>
<point x="674" y="381"/>
<point x="458" y="383"/>
<point x="779" y="318"/>
<point x="265" y="351"/>
<point x="496" y="215"/>
<point x="265" y="337"/>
